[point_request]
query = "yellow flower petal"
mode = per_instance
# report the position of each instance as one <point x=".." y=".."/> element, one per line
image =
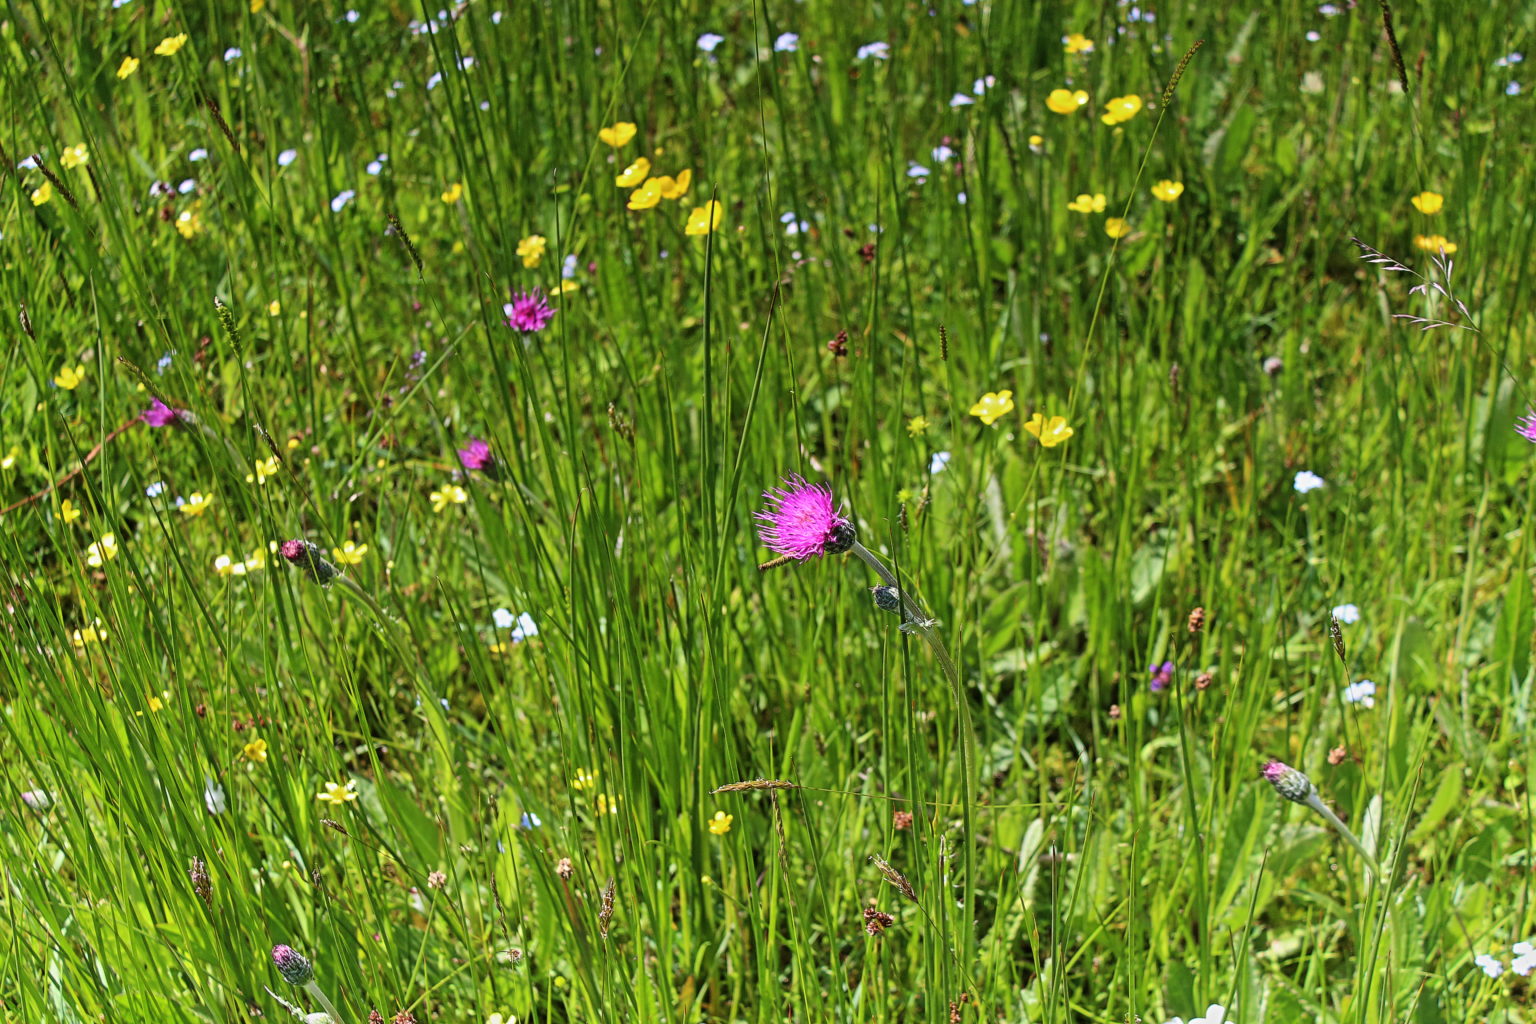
<point x="703" y="219"/>
<point x="618" y="134"/>
<point x="634" y="174"/>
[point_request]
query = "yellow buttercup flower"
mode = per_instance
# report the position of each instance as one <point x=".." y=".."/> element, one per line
<point x="264" y="468"/>
<point x="1086" y="203"/>
<point x="531" y="249"/>
<point x="189" y="222"/>
<point x="349" y="553"/>
<point x="1428" y="203"/>
<point x="1050" y="432"/>
<point x="69" y="377"/>
<point x="720" y="824"/>
<point x="226" y="566"/>
<point x="1076" y="42"/>
<point x="75" y="156"/>
<point x="453" y="193"/>
<point x="452" y="494"/>
<point x="170" y="44"/>
<point x="1167" y="191"/>
<point x="917" y="425"/>
<point x="676" y="188"/>
<point x="646" y="196"/>
<point x="607" y="804"/>
<point x="634" y="174"/>
<point x="127" y="67"/>
<point x="1116" y="227"/>
<point x="101" y="552"/>
<point x="42" y="193"/>
<point x="256" y="751"/>
<point x="703" y="219"/>
<point x="618" y="134"/>
<point x="196" y="504"/>
<point x="1066" y="101"/>
<point x="992" y="405"/>
<point x="257" y="5"/>
<point x="585" y="778"/>
<point x="336" y="794"/>
<point x="1121" y="109"/>
<point x="274" y="308"/>
<point x="67" y="511"/>
<point x="1434" y="243"/>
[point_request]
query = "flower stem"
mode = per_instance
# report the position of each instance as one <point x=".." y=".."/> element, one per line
<point x="1315" y="802"/>
<point x="920" y="622"/>
<point x="319" y="997"/>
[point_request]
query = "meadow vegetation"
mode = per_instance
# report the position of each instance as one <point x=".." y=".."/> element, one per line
<point x="387" y="405"/>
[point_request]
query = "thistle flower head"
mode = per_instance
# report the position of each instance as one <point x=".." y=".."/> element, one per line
<point x="1289" y="782"/>
<point x="161" y="415"/>
<point x="309" y="557"/>
<point x="528" y="312"/>
<point x="291" y="965"/>
<point x="800" y="520"/>
<point x="476" y="455"/>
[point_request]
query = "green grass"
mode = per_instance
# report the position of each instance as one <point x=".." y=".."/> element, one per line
<point x="1124" y="857"/>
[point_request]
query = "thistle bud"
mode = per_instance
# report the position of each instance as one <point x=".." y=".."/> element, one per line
<point x="308" y="556"/>
<point x="887" y="599"/>
<point x="1289" y="782"/>
<point x="291" y="965"/>
<point x="840" y="538"/>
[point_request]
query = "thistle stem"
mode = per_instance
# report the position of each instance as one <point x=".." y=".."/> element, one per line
<point x="920" y="622"/>
<point x="319" y="997"/>
<point x="1315" y="802"/>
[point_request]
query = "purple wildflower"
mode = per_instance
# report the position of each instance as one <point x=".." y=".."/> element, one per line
<point x="1162" y="675"/>
<point x="477" y="455"/>
<point x="305" y="555"/>
<point x="528" y="312"/>
<point x="801" y="521"/>
<point x="161" y="415"/>
<point x="291" y="965"/>
<point x="1288" y="782"/>
<point x="1526" y="427"/>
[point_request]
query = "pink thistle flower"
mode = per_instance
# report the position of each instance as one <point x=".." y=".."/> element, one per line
<point x="800" y="521"/>
<point x="477" y="455"/>
<point x="1526" y="427"/>
<point x="303" y="554"/>
<point x="528" y="312"/>
<point x="161" y="415"/>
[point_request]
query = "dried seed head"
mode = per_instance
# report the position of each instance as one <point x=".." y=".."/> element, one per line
<point x="564" y="869"/>
<point x="738" y="787"/>
<point x="1337" y="755"/>
<point x="436" y="880"/>
<point x="901" y="820"/>
<point x="895" y="877"/>
<point x="1197" y="620"/>
<point x="1203" y="681"/>
<point x="1114" y="712"/>
<point x="877" y="921"/>
<point x="605" y="911"/>
<point x="1336" y="634"/>
<point x="202" y="885"/>
<point x="335" y="826"/>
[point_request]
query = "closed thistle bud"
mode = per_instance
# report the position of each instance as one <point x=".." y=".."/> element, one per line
<point x="308" y="556"/>
<point x="1288" y="782"/>
<point x="291" y="965"/>
<point x="840" y="538"/>
<point x="887" y="598"/>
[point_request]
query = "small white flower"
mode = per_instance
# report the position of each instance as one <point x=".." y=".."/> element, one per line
<point x="1507" y="61"/>
<point x="1362" y="693"/>
<point x="568" y="267"/>
<point x="917" y="171"/>
<point x="37" y="799"/>
<point x="525" y="628"/>
<point x="352" y="17"/>
<point x="787" y="42"/>
<point x="1512" y="89"/>
<point x="1346" y="613"/>
<point x="982" y="84"/>
<point x="1522" y="948"/>
<point x="435" y="80"/>
<point x="1307" y="480"/>
<point x="938" y="462"/>
<point x="495" y="17"/>
<point x="501" y="618"/>
<point x="942" y="153"/>
<point x="1313" y="36"/>
<point x="232" y="54"/>
<point x="960" y="198"/>
<point x="155" y="489"/>
<point x="1490" y="965"/>
<point x="187" y="185"/>
<point x="343" y="197"/>
<point x="198" y="154"/>
<point x="213" y="797"/>
<point x="709" y="40"/>
<point x="287" y="157"/>
<point x="960" y="99"/>
<point x="1523" y="965"/>
<point x="27" y="164"/>
<point x="793" y="225"/>
<point x="874" y="51"/>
